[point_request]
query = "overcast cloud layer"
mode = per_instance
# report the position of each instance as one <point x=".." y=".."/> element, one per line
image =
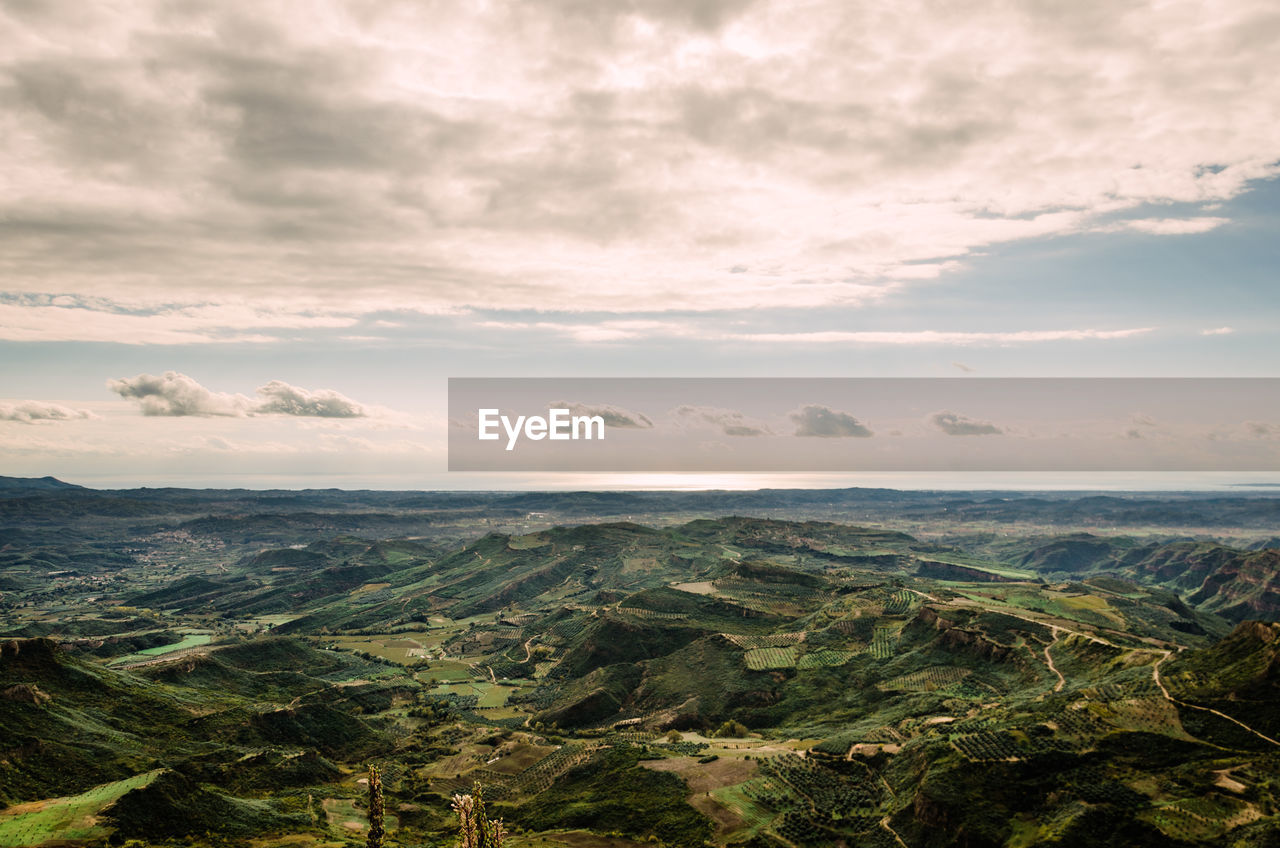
<point x="238" y="168"/>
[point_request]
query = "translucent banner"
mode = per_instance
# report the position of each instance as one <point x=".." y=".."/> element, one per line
<point x="863" y="424"/>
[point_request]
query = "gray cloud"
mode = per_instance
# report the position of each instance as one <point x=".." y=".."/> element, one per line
<point x="959" y="425"/>
<point x="280" y="398"/>
<point x="177" y="395"/>
<point x="38" y="411"/>
<point x="705" y="15"/>
<point x="1262" y="429"/>
<point x="728" y="421"/>
<point x="822" y="421"/>
<point x="203" y="153"/>
<point x="614" y="416"/>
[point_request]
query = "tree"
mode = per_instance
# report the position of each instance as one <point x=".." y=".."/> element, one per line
<point x="731" y="729"/>
<point x="376" y="809"/>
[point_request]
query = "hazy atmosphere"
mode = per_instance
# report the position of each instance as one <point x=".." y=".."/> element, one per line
<point x="245" y="244"/>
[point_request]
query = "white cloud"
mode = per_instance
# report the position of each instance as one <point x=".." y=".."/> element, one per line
<point x="177" y="395"/>
<point x="954" y="424"/>
<point x="66" y="318"/>
<point x="629" y="157"/>
<point x="1218" y="331"/>
<point x="40" y="412"/>
<point x="938" y="337"/>
<point x="729" y="422"/>
<point x="597" y="332"/>
<point x="1175" y="226"/>
<point x="279" y="398"/>
<point x="823" y="422"/>
<point x="614" y="416"/>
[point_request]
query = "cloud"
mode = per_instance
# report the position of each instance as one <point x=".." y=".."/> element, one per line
<point x="1142" y="426"/>
<point x="728" y="421"/>
<point x="1218" y="331"/>
<point x="638" y="156"/>
<point x="959" y="425"/>
<point x="614" y="416"/>
<point x="177" y="395"/>
<point x="37" y="411"/>
<point x="1262" y="429"/>
<point x="961" y="366"/>
<point x="595" y="332"/>
<point x="77" y="319"/>
<point x="824" y="422"/>
<point x="280" y="398"/>
<point x="1175" y="226"/>
<point x="939" y="337"/>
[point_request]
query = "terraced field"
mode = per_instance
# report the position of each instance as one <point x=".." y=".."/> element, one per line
<point x="763" y="659"/>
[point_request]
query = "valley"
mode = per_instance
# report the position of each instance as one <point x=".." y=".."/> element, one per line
<point x="773" y="670"/>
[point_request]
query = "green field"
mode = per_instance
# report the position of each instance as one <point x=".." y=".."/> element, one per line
<point x="38" y="822"/>
<point x="189" y="640"/>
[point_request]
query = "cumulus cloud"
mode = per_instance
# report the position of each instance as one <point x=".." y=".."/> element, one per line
<point x="730" y="422"/>
<point x="954" y="424"/>
<point x="824" y="422"/>
<point x="175" y="394"/>
<point x="39" y="412"/>
<point x="279" y="398"/>
<point x="614" y="416"/>
<point x="705" y="155"/>
<point x="178" y="395"/>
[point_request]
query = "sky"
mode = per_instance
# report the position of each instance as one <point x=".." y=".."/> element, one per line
<point x="247" y="243"/>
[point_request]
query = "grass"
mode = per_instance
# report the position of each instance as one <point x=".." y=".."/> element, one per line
<point x="69" y="818"/>
<point x="346" y="818"/>
<point x="445" y="670"/>
<point x="983" y="565"/>
<point x="490" y="694"/>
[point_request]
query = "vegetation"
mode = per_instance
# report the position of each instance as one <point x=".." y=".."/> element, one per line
<point x="376" y="809"/>
<point x="948" y="685"/>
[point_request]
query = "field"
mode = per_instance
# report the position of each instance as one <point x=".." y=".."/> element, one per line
<point x="189" y="640"/>
<point x="927" y="680"/>
<point x="63" y="818"/>
<point x="762" y="659"/>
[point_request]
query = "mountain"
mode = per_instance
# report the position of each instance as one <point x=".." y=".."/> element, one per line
<point x="744" y="680"/>
<point x="9" y="485"/>
<point x="1234" y="583"/>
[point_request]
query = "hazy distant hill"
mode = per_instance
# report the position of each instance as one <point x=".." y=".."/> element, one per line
<point x="8" y="484"/>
